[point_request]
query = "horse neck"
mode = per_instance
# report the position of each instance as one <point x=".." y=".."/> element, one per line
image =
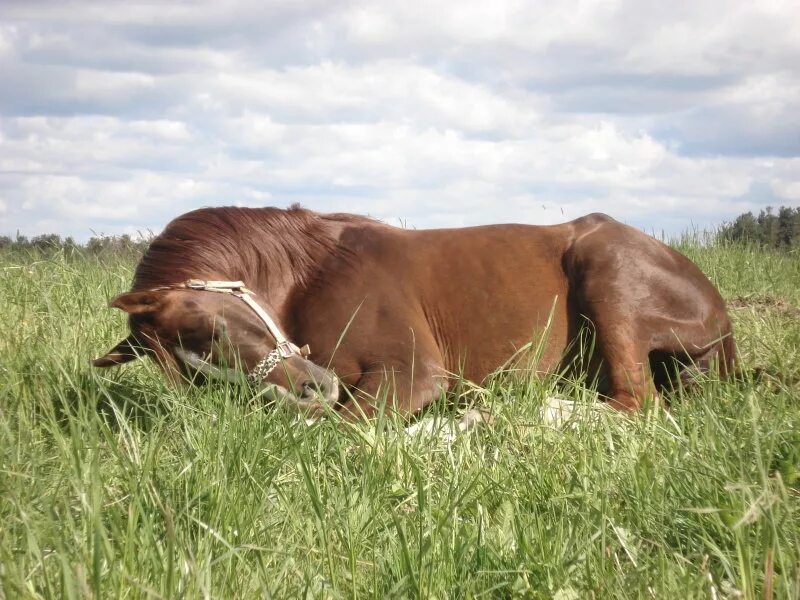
<point x="284" y="268"/>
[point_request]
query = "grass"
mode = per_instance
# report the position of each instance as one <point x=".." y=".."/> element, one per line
<point x="114" y="485"/>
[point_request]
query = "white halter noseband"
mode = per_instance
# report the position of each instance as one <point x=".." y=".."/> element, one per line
<point x="283" y="348"/>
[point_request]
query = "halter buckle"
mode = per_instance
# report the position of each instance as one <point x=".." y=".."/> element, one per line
<point x="287" y="349"/>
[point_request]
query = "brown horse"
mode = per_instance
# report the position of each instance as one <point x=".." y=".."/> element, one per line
<point x="379" y="304"/>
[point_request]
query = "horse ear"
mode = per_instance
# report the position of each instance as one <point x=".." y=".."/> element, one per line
<point x="138" y="302"/>
<point x="123" y="352"/>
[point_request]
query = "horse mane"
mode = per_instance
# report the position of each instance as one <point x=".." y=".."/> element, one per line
<point x="237" y="243"/>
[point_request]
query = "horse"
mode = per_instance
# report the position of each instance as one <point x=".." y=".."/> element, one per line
<point x="221" y="291"/>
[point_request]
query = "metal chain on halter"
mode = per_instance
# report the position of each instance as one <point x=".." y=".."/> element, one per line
<point x="265" y="366"/>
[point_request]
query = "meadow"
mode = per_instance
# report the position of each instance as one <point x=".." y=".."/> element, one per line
<point x="113" y="484"/>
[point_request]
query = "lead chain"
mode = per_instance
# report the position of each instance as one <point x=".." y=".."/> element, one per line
<point x="264" y="367"/>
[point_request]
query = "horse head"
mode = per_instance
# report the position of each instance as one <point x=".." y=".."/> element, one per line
<point x="199" y="330"/>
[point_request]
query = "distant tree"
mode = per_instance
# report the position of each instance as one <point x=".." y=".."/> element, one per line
<point x="780" y="231"/>
<point x="123" y="245"/>
<point x="46" y="241"/>
<point x="71" y="248"/>
<point x="796" y="228"/>
<point x="745" y="227"/>
<point x="786" y="226"/>
<point x="96" y="244"/>
<point x="769" y="228"/>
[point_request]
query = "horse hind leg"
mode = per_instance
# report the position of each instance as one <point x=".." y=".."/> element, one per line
<point x="626" y="366"/>
<point x="609" y="353"/>
<point x="630" y="382"/>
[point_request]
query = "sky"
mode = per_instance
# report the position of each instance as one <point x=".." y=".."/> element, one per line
<point x="117" y="117"/>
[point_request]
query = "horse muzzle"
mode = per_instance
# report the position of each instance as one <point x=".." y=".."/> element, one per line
<point x="300" y="383"/>
<point x="304" y="385"/>
<point x="312" y="387"/>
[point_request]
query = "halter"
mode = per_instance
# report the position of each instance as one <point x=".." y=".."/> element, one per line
<point x="283" y="348"/>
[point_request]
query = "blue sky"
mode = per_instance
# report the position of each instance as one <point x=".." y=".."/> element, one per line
<point x="116" y="117"/>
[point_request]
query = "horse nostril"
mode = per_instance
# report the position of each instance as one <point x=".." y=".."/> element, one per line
<point x="309" y="389"/>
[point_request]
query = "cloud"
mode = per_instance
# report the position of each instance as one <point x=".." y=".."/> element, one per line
<point x="431" y="114"/>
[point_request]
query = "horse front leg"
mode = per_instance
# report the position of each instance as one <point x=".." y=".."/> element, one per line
<point x="394" y="389"/>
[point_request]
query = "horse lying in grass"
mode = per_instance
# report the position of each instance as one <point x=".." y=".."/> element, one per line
<point x="380" y="304"/>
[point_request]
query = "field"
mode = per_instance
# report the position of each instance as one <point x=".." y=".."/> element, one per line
<point x="113" y="485"/>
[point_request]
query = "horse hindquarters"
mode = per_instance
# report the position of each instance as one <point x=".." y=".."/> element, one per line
<point x="646" y="352"/>
<point x="645" y="301"/>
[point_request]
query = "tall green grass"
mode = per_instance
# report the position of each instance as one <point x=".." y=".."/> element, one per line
<point x="114" y="485"/>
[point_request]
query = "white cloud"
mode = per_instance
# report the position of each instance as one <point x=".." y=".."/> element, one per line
<point x="789" y="189"/>
<point x="433" y="114"/>
<point x="102" y="84"/>
<point x="8" y="36"/>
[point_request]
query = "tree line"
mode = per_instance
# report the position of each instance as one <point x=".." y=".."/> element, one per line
<point x="775" y="230"/>
<point x="778" y="230"/>
<point x="116" y="245"/>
